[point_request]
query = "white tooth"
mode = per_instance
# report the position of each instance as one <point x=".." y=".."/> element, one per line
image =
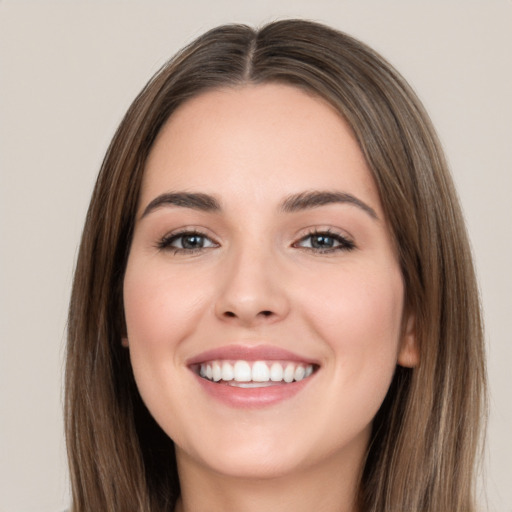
<point x="202" y="371"/>
<point x="249" y="384"/>
<point x="242" y="371"/>
<point x="276" y="372"/>
<point x="260" y="372"/>
<point x="227" y="371"/>
<point x="309" y="370"/>
<point x="289" y="372"/>
<point x="299" y="373"/>
<point x="209" y="372"/>
<point x="216" y="371"/>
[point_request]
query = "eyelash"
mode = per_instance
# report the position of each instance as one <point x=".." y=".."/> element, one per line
<point x="344" y="244"/>
<point x="165" y="243"/>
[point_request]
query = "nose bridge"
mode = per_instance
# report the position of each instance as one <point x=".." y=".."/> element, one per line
<point x="251" y="290"/>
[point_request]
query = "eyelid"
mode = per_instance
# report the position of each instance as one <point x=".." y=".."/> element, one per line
<point x="345" y="243"/>
<point x="164" y="243"/>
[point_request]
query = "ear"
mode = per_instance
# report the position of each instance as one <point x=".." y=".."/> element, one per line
<point x="124" y="342"/>
<point x="409" y="354"/>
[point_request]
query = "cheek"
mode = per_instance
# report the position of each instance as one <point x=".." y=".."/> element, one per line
<point x="359" y="316"/>
<point x="160" y="308"/>
<point x="161" y="311"/>
<point x="365" y="306"/>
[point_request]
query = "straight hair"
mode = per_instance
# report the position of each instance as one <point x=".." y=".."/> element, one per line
<point x="427" y="433"/>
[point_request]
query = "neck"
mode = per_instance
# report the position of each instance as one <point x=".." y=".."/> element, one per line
<point x="330" y="487"/>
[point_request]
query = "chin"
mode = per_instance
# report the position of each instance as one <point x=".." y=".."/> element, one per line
<point x="260" y="457"/>
<point x="245" y="464"/>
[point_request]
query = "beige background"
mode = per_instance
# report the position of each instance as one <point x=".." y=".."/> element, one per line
<point x="68" y="71"/>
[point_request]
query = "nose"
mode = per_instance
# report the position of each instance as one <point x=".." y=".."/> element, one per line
<point x="252" y="290"/>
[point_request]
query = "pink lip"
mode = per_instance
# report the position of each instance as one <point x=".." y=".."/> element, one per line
<point x="250" y="397"/>
<point x="249" y="353"/>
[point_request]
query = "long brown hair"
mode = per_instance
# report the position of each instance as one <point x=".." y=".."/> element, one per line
<point x="426" y="434"/>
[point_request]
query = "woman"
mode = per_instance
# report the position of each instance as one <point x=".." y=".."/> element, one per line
<point x="274" y="303"/>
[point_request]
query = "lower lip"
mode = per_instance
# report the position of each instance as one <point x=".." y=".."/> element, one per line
<point x="252" y="397"/>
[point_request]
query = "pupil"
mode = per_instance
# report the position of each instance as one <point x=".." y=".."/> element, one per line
<point x="192" y="241"/>
<point x="322" y="241"/>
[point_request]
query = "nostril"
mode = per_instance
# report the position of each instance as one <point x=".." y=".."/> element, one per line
<point x="265" y="313"/>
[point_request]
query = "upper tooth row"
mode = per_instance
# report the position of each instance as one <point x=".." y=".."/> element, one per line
<point x="241" y="371"/>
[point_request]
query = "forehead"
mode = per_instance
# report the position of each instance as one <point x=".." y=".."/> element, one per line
<point x="257" y="141"/>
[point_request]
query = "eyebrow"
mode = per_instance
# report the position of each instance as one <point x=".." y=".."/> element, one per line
<point x="314" y="199"/>
<point x="296" y="202"/>
<point x="195" y="201"/>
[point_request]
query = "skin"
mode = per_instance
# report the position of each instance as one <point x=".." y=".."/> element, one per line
<point x="258" y="280"/>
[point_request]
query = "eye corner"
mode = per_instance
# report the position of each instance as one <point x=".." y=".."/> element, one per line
<point x="324" y="241"/>
<point x="187" y="241"/>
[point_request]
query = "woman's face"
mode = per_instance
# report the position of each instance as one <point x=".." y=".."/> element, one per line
<point x="263" y="296"/>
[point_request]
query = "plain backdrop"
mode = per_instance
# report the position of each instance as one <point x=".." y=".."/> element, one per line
<point x="69" y="70"/>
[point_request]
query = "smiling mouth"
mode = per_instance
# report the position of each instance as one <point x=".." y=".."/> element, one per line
<point x="254" y="374"/>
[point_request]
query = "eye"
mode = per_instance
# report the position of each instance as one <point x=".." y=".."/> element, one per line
<point x="186" y="241"/>
<point x="325" y="242"/>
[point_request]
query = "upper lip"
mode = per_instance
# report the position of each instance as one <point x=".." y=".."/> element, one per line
<point x="249" y="353"/>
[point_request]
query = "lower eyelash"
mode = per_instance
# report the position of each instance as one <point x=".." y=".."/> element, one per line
<point x="164" y="243"/>
<point x="345" y="243"/>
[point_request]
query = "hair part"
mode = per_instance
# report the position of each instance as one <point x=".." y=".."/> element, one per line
<point x="426" y="434"/>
